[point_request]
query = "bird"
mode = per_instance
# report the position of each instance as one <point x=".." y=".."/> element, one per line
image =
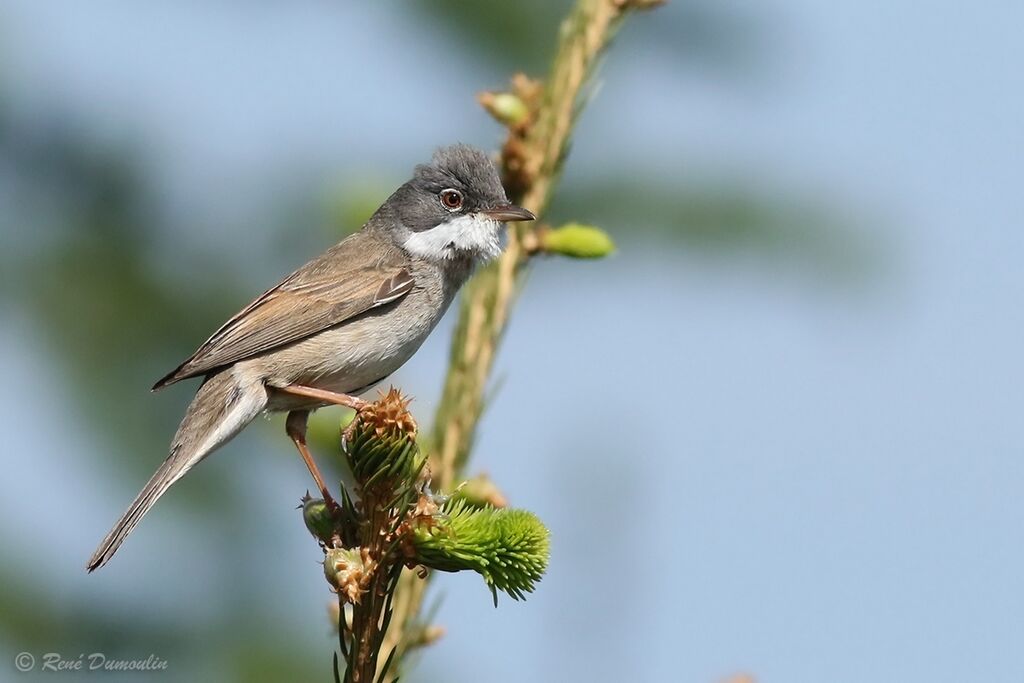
<point x="341" y="323"/>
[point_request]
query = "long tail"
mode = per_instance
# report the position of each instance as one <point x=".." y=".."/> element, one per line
<point x="221" y="408"/>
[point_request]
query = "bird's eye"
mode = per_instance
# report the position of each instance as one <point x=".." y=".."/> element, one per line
<point x="452" y="199"/>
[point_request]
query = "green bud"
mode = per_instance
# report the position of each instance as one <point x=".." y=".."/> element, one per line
<point x="577" y="241"/>
<point x="318" y="518"/>
<point x="509" y="548"/>
<point x="349" y="570"/>
<point x="382" y="451"/>
<point x="507" y="108"/>
<point x="388" y="462"/>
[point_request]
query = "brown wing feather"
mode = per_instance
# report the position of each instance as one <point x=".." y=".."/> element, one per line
<point x="325" y="292"/>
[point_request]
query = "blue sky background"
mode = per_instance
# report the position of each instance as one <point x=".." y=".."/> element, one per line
<point x="748" y="462"/>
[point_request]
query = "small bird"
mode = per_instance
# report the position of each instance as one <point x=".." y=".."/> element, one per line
<point x="340" y="324"/>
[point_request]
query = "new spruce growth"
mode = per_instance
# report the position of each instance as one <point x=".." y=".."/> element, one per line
<point x="390" y="520"/>
<point x="509" y="548"/>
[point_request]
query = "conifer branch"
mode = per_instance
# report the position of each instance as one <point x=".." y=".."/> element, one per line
<point x="390" y="520"/>
<point x="539" y="119"/>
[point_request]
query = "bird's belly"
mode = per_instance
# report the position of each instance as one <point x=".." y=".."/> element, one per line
<point x="346" y="359"/>
<point x="353" y="370"/>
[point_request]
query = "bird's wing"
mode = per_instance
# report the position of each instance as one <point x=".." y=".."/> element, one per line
<point x="336" y="286"/>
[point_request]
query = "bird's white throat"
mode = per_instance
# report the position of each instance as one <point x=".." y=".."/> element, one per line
<point x="472" y="234"/>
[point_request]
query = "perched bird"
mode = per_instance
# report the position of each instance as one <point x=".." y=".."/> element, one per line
<point x="339" y="324"/>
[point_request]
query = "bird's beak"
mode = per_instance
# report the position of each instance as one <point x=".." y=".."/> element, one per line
<point x="509" y="212"/>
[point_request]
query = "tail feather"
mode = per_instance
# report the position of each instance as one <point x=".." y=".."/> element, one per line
<point x="221" y="408"/>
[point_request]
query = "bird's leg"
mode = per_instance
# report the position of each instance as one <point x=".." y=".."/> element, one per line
<point x="295" y="425"/>
<point x="323" y="395"/>
<point x="352" y="402"/>
<point x="350" y="430"/>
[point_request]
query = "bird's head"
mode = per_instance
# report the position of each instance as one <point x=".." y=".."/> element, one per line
<point x="453" y="208"/>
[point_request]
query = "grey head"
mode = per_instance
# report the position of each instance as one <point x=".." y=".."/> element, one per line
<point x="452" y="209"/>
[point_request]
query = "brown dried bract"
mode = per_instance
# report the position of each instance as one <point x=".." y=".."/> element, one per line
<point x="389" y="415"/>
<point x="423" y="514"/>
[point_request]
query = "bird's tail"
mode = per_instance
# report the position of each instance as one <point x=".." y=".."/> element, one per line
<point x="221" y="408"/>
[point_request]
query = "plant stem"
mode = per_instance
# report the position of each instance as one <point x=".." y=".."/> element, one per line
<point x="366" y="615"/>
<point x="531" y="162"/>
